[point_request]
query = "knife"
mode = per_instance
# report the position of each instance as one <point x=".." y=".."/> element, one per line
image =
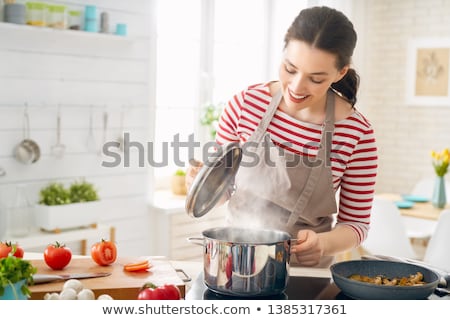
<point x="46" y="278"/>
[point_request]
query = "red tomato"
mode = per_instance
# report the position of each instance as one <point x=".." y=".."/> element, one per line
<point x="6" y="247"/>
<point x="166" y="292"/>
<point x="57" y="256"/>
<point x="143" y="265"/>
<point x="104" y="253"/>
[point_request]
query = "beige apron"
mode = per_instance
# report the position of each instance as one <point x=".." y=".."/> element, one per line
<point x="278" y="189"/>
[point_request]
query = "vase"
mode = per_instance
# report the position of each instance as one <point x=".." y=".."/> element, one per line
<point x="439" y="199"/>
<point x="14" y="291"/>
<point x="178" y="185"/>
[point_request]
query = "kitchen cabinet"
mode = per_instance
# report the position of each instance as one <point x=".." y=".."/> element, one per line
<point x="174" y="226"/>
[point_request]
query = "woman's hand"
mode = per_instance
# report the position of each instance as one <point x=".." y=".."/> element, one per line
<point x="192" y="171"/>
<point x="308" y="248"/>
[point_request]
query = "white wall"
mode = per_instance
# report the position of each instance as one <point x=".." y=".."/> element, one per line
<point x="82" y="72"/>
<point x="405" y="134"/>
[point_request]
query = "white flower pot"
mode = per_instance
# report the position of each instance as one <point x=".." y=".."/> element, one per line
<point x="67" y="216"/>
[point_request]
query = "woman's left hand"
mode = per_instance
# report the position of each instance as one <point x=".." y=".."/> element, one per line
<point x="308" y="248"/>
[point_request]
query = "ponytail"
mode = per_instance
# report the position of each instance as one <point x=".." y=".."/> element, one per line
<point x="348" y="86"/>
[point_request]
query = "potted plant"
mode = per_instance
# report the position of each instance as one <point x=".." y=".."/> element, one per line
<point x="15" y="276"/>
<point x="210" y="118"/>
<point x="178" y="183"/>
<point x="64" y="208"/>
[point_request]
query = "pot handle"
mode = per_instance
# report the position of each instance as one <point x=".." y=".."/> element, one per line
<point x="185" y="275"/>
<point x="195" y="239"/>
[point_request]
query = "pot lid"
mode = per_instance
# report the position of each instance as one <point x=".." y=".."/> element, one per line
<point x="213" y="180"/>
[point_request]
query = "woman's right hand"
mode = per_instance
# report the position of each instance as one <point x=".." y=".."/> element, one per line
<point x="192" y="171"/>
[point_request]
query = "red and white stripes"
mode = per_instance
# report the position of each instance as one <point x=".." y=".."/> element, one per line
<point x="353" y="155"/>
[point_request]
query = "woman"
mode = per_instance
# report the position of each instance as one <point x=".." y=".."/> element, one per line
<point x="310" y="141"/>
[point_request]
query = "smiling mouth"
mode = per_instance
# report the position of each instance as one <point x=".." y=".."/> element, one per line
<point x="296" y="97"/>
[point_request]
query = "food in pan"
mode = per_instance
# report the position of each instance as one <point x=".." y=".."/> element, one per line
<point x="412" y="280"/>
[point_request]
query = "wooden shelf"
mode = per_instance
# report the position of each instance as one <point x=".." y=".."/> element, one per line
<point x="44" y="31"/>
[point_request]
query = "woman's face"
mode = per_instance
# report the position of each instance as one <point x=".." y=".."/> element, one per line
<point x="306" y="73"/>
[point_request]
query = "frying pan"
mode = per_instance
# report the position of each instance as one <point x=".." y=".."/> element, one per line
<point x="361" y="290"/>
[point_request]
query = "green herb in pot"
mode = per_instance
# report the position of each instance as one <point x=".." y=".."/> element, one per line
<point x="54" y="194"/>
<point x="13" y="270"/>
<point x="83" y="192"/>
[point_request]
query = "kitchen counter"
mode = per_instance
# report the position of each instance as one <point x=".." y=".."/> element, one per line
<point x="119" y="284"/>
<point x="193" y="269"/>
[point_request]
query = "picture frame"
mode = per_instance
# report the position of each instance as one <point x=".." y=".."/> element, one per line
<point x="427" y="72"/>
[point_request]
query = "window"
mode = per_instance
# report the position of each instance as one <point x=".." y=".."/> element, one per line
<point x="207" y="50"/>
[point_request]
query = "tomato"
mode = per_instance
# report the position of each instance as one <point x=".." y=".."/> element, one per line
<point x="166" y="292"/>
<point x="104" y="253"/>
<point x="137" y="266"/>
<point x="57" y="256"/>
<point x="6" y="247"/>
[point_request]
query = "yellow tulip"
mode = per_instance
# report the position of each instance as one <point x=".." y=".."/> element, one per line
<point x="440" y="161"/>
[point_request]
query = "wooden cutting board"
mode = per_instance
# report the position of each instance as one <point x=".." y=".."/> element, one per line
<point x="120" y="285"/>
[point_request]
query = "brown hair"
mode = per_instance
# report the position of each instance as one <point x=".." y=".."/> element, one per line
<point x="329" y="30"/>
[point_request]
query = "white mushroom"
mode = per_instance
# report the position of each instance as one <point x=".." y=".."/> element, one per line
<point x="86" y="294"/>
<point x="68" y="294"/>
<point x="74" y="284"/>
<point x="51" y="296"/>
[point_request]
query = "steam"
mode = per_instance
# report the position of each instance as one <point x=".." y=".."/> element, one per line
<point x="250" y="207"/>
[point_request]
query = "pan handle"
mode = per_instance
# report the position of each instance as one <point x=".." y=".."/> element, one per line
<point x="195" y="239"/>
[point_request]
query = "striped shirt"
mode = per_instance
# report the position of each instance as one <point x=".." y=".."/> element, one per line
<point x="353" y="155"/>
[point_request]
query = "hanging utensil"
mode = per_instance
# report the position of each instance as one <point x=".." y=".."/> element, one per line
<point x="105" y="129"/>
<point x="90" y="142"/>
<point x="27" y="151"/>
<point x="58" y="149"/>
<point x="120" y="138"/>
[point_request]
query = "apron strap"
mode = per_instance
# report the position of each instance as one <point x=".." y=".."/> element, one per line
<point x="267" y="117"/>
<point x="324" y="150"/>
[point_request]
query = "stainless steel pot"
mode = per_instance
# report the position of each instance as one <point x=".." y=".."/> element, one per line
<point x="245" y="262"/>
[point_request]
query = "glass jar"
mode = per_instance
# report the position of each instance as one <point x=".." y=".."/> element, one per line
<point x="36" y="13"/>
<point x="19" y="213"/>
<point x="74" y="20"/>
<point x="57" y="17"/>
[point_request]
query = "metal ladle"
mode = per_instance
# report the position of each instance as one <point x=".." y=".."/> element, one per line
<point x="105" y="131"/>
<point x="58" y="149"/>
<point x="120" y="138"/>
<point x="90" y="142"/>
<point x="27" y="151"/>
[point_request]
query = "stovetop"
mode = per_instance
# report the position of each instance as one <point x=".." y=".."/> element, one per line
<point x="299" y="288"/>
